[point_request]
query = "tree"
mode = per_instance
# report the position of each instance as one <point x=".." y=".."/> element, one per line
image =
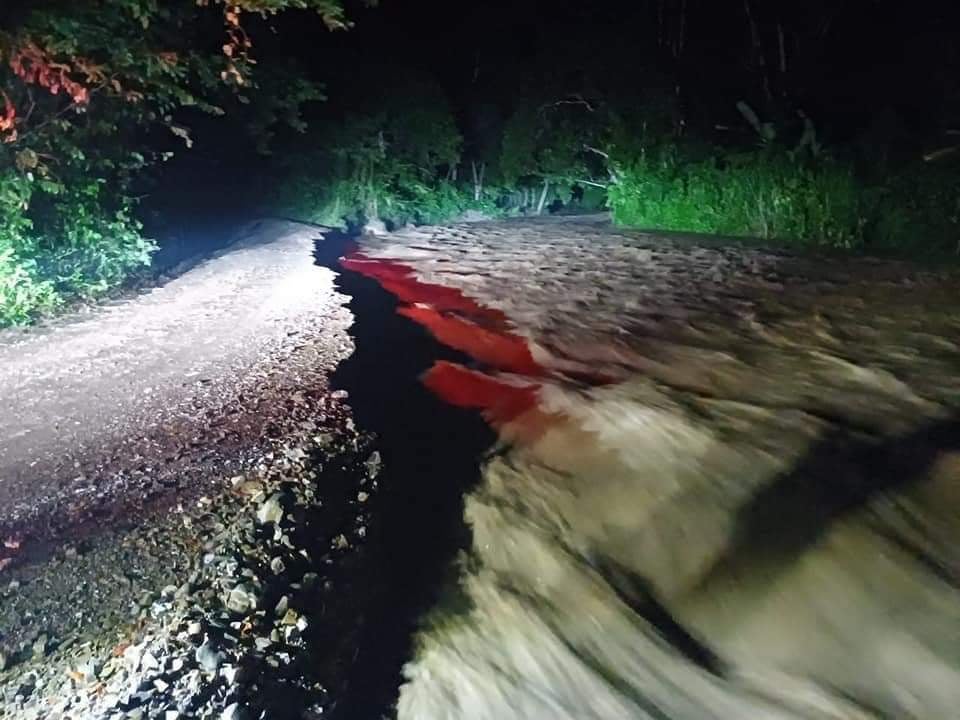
<point x="84" y="87"/>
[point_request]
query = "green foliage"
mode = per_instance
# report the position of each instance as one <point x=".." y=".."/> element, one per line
<point x="86" y="85"/>
<point x="58" y="243"/>
<point x="550" y="141"/>
<point x="758" y="194"/>
<point x="22" y="291"/>
<point x="388" y="156"/>
<point x="918" y="209"/>
<point x="816" y="201"/>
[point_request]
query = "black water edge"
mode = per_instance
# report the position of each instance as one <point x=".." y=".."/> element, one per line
<point x="431" y="454"/>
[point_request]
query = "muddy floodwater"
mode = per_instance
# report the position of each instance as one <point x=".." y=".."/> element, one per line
<point x="725" y="481"/>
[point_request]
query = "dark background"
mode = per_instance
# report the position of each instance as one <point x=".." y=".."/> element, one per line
<point x="879" y="79"/>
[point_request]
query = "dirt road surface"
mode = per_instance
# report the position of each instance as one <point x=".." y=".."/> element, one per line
<point x="102" y="410"/>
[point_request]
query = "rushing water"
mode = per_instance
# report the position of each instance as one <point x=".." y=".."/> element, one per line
<point x="720" y="493"/>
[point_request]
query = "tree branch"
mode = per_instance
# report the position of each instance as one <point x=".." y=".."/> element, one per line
<point x="572" y="100"/>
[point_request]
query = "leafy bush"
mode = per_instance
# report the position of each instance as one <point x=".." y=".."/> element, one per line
<point x="59" y="243"/>
<point x="87" y="247"/>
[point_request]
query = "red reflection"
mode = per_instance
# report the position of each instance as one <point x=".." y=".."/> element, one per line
<point x="480" y="332"/>
<point x="501" y="350"/>
<point x="398" y="279"/>
<point x="499" y="401"/>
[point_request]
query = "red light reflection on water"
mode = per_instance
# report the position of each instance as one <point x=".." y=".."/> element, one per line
<point x="463" y="324"/>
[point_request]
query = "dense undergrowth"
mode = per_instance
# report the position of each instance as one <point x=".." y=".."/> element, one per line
<point x="767" y="192"/>
<point x="59" y="244"/>
<point x="764" y="194"/>
<point x="402" y="155"/>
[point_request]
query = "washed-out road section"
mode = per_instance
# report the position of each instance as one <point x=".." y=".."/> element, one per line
<point x="729" y="480"/>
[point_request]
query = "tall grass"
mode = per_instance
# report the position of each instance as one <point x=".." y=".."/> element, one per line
<point x="751" y="194"/>
<point x="815" y="202"/>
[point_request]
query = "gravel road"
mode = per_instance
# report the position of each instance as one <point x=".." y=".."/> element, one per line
<point x="103" y="408"/>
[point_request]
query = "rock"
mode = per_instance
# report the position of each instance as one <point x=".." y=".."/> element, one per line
<point x="471" y="215"/>
<point x="229" y="673"/>
<point x="250" y="488"/>
<point x="149" y="661"/>
<point x="233" y="712"/>
<point x="27" y="685"/>
<point x="277" y="566"/>
<point x="271" y="511"/>
<point x="241" y="599"/>
<point x="132" y="655"/>
<point x="88" y="670"/>
<point x="281" y="608"/>
<point x="373" y="464"/>
<point x="290" y="618"/>
<point x="194" y="628"/>
<point x="375" y="227"/>
<point x="208" y="658"/>
<point x="40" y="646"/>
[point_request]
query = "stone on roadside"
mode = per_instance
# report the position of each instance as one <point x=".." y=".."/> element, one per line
<point x="40" y="646"/>
<point x="241" y="599"/>
<point x="132" y="656"/>
<point x="208" y="657"/>
<point x="271" y="511"/>
<point x="149" y="661"/>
